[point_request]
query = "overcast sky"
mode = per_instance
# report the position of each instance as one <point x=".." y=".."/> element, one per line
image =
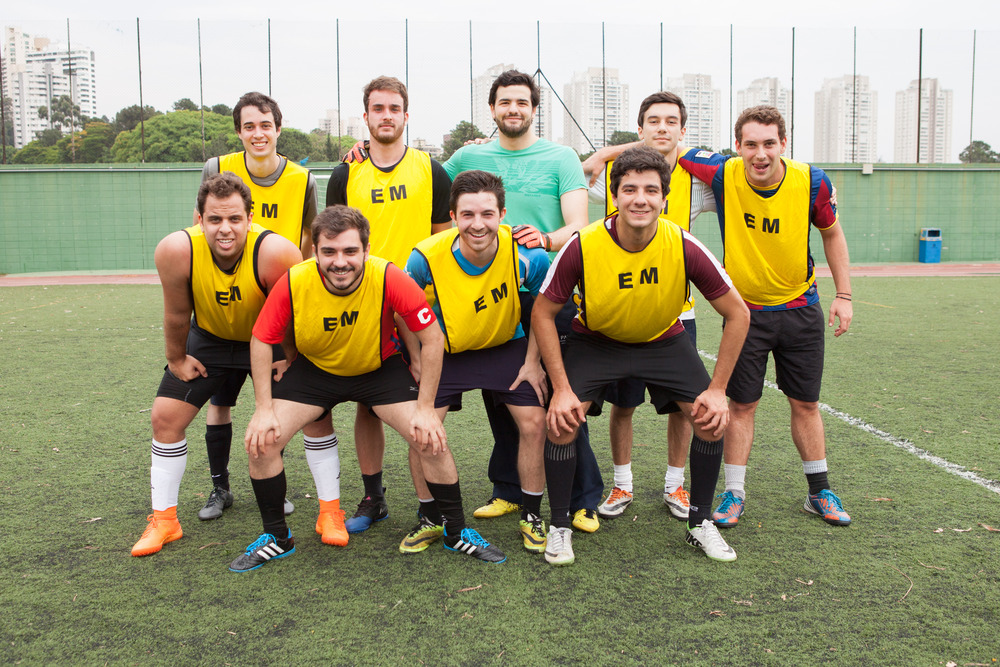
<point x="374" y="40"/>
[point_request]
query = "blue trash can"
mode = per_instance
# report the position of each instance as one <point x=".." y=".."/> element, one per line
<point x="930" y="245"/>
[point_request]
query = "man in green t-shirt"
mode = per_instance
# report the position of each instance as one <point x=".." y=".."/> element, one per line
<point x="546" y="204"/>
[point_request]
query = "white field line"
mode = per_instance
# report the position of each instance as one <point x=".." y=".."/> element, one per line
<point x="901" y="443"/>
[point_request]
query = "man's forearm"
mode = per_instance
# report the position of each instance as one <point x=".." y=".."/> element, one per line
<point x="261" y="358"/>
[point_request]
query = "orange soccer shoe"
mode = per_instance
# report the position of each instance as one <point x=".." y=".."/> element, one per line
<point x="330" y="523"/>
<point x="163" y="527"/>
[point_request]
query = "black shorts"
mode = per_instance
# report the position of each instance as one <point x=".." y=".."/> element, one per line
<point x="230" y="391"/>
<point x="304" y="382"/>
<point x="796" y="338"/>
<point x="670" y="368"/>
<point x="631" y="393"/>
<point x="199" y="390"/>
<point x="493" y="368"/>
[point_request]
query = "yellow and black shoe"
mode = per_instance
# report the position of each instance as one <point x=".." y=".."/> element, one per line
<point x="424" y="534"/>
<point x="533" y="534"/>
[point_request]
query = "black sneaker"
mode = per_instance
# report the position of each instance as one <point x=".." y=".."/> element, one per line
<point x="265" y="549"/>
<point x="472" y="543"/>
<point x="370" y="510"/>
<point x="218" y="500"/>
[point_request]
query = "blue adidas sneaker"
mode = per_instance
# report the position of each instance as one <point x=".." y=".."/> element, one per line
<point x="265" y="549"/>
<point x="473" y="544"/>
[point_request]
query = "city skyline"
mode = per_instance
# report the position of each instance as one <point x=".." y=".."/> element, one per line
<point x="439" y="72"/>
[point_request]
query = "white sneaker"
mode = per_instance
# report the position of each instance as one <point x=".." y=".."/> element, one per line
<point x="289" y="507"/>
<point x="559" y="546"/>
<point x="707" y="538"/>
<point x="615" y="503"/>
<point x="678" y="502"/>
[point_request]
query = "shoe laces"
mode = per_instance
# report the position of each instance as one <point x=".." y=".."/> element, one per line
<point x="469" y="536"/>
<point x="590" y="514"/>
<point x="217" y="492"/>
<point x="728" y="500"/>
<point x="261" y="541"/>
<point x="829" y="500"/>
<point x="557" y="539"/>
<point x="535" y="521"/>
<point x="682" y="494"/>
<point x="366" y="503"/>
<point x="618" y="494"/>
<point x="710" y="534"/>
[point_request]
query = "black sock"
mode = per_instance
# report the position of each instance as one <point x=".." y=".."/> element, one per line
<point x="270" y="494"/>
<point x="373" y="485"/>
<point x="560" y="469"/>
<point x="218" y="441"/>
<point x="530" y="504"/>
<point x="449" y="501"/>
<point x="429" y="509"/>
<point x="817" y="482"/>
<point x="706" y="459"/>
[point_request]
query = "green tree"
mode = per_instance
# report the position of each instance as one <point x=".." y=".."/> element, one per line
<point x="36" y="153"/>
<point x="222" y="109"/>
<point x="326" y="148"/>
<point x="618" y="137"/>
<point x="727" y="151"/>
<point x="464" y="131"/>
<point x="48" y="137"/>
<point x="294" y="144"/>
<point x="62" y="113"/>
<point x="185" y="104"/>
<point x="978" y="152"/>
<point x="93" y="144"/>
<point x="176" y="137"/>
<point x="128" y="118"/>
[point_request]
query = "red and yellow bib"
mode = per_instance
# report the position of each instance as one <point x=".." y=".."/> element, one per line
<point x="340" y="334"/>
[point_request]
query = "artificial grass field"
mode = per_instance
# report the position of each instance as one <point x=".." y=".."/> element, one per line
<point x="913" y="581"/>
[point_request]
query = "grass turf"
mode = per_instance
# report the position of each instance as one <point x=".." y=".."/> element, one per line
<point x="913" y="581"/>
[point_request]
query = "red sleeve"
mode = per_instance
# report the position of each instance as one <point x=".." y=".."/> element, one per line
<point x="704" y="270"/>
<point x="824" y="213"/>
<point x="565" y="272"/>
<point x="404" y="297"/>
<point x="276" y="313"/>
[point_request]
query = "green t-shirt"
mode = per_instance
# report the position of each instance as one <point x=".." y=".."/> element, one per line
<point x="534" y="178"/>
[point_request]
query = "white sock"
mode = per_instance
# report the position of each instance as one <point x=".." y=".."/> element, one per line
<point x="166" y="472"/>
<point x="623" y="477"/>
<point x="810" y="467"/>
<point x="735" y="477"/>
<point x="674" y="479"/>
<point x="323" y="457"/>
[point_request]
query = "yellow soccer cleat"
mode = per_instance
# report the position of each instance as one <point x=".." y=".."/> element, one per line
<point x="496" y="507"/>
<point x="586" y="520"/>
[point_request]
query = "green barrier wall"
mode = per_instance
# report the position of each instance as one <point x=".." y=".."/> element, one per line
<point x="110" y="218"/>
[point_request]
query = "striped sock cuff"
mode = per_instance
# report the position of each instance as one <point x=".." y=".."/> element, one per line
<point x="170" y="450"/>
<point x="324" y="442"/>
<point x="554" y="452"/>
<point x="704" y="447"/>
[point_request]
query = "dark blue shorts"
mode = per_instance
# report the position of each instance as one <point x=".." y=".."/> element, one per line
<point x="493" y="368"/>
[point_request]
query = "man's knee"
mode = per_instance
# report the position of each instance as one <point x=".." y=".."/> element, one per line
<point x="803" y="408"/>
<point x="742" y="410"/>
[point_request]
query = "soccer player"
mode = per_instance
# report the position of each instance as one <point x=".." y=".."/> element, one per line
<point x="476" y="270"/>
<point x="662" y="125"/>
<point x="219" y="271"/>
<point x="766" y="206"/>
<point x="404" y="195"/>
<point x="340" y="308"/>
<point x="546" y="204"/>
<point x="633" y="271"/>
<point x="284" y="201"/>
